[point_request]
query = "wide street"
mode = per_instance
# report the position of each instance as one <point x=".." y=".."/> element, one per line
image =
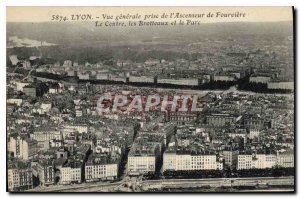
<point x="170" y="183"/>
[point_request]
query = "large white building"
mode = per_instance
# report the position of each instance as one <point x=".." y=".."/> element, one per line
<point x="98" y="167"/>
<point x="256" y="161"/>
<point x="175" y="162"/>
<point x="226" y="78"/>
<point x="220" y="119"/>
<point x="141" y="163"/>
<point x="70" y="173"/>
<point x="143" y="79"/>
<point x="284" y="158"/>
<point x="281" y="85"/>
<point x="22" y="148"/>
<point x="181" y="81"/>
<point x="143" y="157"/>
<point x="259" y="79"/>
<point x="80" y="128"/>
<point x="47" y="135"/>
<point x="101" y="171"/>
<point x="19" y="178"/>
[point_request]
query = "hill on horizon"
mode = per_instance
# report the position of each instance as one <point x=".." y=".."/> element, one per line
<point x="86" y="32"/>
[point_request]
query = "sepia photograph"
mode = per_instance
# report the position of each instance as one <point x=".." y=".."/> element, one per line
<point x="150" y="99"/>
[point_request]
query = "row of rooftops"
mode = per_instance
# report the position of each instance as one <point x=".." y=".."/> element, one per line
<point x="101" y="159"/>
<point x="144" y="149"/>
<point x="189" y="150"/>
<point x="18" y="165"/>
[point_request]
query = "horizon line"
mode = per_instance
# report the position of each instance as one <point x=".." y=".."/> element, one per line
<point x="292" y="20"/>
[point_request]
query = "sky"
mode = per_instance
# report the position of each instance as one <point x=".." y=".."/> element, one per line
<point x="252" y="14"/>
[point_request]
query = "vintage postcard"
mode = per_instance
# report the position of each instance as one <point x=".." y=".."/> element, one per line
<point x="150" y="99"/>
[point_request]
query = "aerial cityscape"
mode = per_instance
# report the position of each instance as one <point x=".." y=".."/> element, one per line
<point x="238" y="76"/>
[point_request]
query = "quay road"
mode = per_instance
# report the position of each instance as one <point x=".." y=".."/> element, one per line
<point x="187" y="91"/>
<point x="224" y="182"/>
<point x="85" y="187"/>
<point x="171" y="183"/>
<point x="177" y="91"/>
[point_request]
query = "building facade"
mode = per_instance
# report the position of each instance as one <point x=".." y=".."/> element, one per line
<point x="258" y="161"/>
<point x="176" y="162"/>
<point x="142" y="163"/>
<point x="70" y="175"/>
<point x="95" y="172"/>
<point x="23" y="148"/>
